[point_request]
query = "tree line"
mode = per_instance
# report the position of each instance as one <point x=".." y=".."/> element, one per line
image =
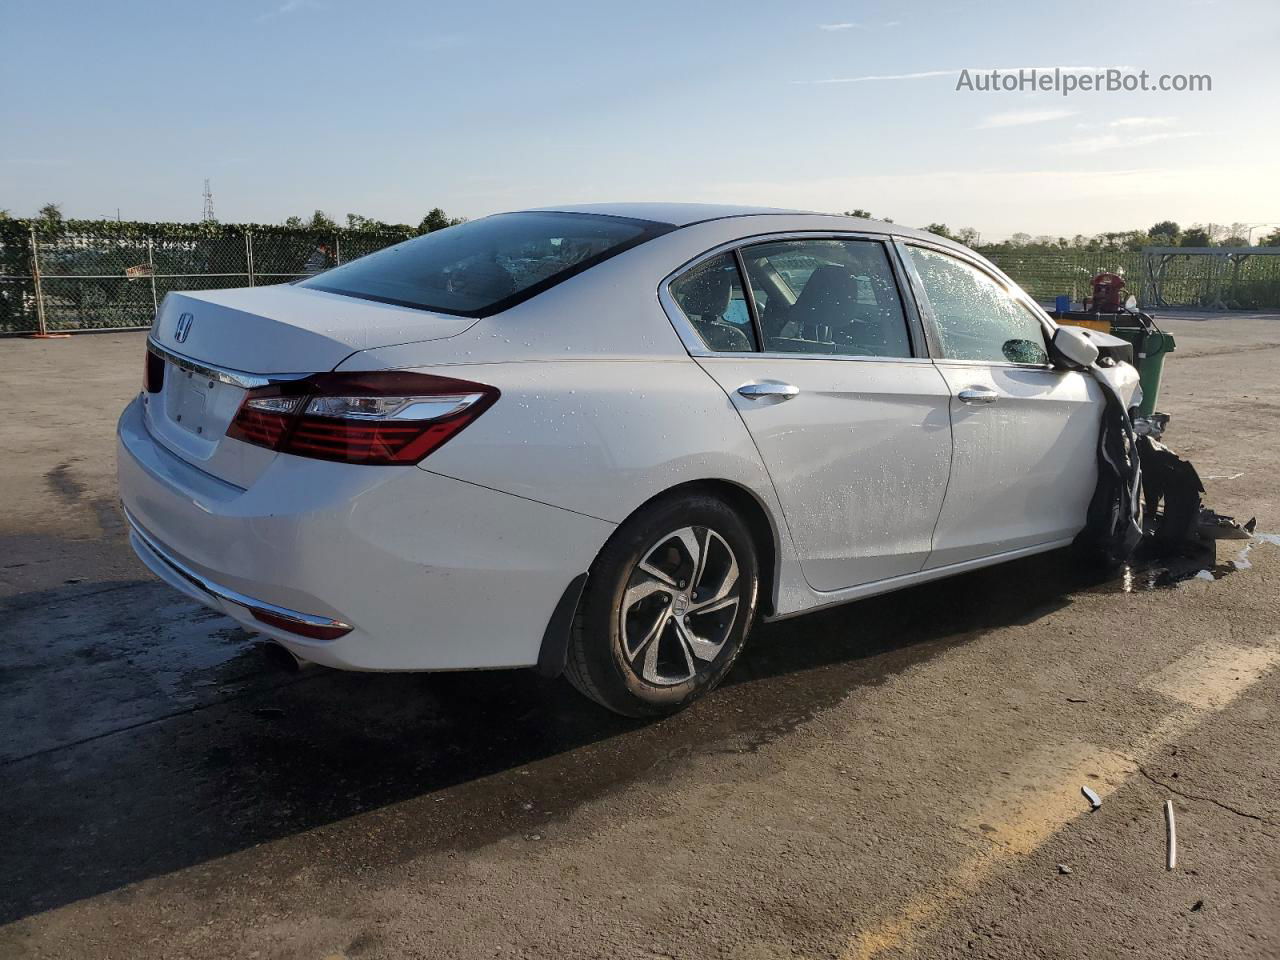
<point x="1166" y="233"/>
<point x="319" y="222"/>
<point x="436" y="219"/>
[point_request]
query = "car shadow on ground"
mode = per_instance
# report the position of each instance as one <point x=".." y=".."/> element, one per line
<point x="126" y="761"/>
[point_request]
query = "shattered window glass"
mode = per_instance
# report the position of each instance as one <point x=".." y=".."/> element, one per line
<point x="976" y="318"/>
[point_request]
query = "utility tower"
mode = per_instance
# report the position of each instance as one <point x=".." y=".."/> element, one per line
<point x="208" y="215"/>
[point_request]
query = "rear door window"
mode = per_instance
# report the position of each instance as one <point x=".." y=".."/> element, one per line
<point x="486" y="266"/>
<point x="828" y="296"/>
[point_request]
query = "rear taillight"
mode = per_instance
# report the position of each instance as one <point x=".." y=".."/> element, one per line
<point x="153" y="373"/>
<point x="372" y="418"/>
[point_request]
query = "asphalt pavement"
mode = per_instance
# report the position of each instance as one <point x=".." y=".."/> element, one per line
<point x="897" y="777"/>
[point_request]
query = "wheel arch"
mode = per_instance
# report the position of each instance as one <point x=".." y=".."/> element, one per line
<point x="760" y="522"/>
<point x="764" y="536"/>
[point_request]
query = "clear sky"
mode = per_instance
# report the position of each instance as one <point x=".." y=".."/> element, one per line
<point x="389" y="108"/>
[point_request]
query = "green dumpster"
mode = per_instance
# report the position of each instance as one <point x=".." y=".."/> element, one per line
<point x="1149" y="348"/>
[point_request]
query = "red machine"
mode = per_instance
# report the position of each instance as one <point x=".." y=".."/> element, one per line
<point x="1107" y="293"/>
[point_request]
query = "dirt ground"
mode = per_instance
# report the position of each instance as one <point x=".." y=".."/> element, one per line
<point x="898" y="777"/>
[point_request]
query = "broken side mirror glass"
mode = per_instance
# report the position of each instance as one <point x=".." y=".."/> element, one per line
<point x="1024" y="351"/>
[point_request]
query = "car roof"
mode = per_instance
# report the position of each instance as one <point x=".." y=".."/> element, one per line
<point x="687" y="214"/>
<point x="672" y="214"/>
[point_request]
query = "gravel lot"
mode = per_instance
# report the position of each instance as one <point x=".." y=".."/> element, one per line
<point x="898" y="777"/>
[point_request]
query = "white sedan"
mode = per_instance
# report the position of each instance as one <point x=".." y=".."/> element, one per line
<point x="603" y="440"/>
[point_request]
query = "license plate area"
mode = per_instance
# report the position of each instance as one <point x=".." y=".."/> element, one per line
<point x="190" y="416"/>
<point x="197" y="409"/>
<point x="189" y="398"/>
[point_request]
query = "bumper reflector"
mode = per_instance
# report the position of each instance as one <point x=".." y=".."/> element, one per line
<point x="316" y="631"/>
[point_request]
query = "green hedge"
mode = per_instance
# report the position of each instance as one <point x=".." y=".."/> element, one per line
<point x="1196" y="281"/>
<point x="83" y="265"/>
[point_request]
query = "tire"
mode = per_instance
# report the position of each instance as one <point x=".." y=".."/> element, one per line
<point x="643" y="645"/>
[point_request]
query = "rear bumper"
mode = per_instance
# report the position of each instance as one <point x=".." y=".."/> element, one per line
<point x="430" y="573"/>
<point x="212" y="594"/>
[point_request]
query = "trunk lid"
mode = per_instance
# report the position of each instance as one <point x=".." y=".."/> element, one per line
<point x="259" y="331"/>
<point x="289" y="329"/>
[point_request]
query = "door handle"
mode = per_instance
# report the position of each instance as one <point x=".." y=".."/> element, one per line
<point x="978" y="395"/>
<point x="768" y="390"/>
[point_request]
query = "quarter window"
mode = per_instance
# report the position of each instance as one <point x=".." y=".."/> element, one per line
<point x="711" y="296"/>
<point x="976" y="318"/>
<point x="827" y="297"/>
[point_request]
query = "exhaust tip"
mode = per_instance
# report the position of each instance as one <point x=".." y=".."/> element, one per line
<point x="283" y="658"/>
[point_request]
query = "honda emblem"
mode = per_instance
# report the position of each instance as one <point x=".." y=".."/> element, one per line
<point x="183" y="328"/>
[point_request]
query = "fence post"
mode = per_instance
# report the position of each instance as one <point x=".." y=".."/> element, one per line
<point x="248" y="254"/>
<point x="337" y="251"/>
<point x="42" y="328"/>
<point x="151" y="262"/>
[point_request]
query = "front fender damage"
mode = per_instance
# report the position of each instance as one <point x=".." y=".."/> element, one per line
<point x="1146" y="493"/>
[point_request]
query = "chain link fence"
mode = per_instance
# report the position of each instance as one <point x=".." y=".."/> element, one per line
<point x="1160" y="277"/>
<point x="115" y="277"/>
<point x="69" y="280"/>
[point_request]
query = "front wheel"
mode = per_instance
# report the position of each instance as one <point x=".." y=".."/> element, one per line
<point x="668" y="605"/>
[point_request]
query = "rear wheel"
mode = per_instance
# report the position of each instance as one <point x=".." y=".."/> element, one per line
<point x="668" y="604"/>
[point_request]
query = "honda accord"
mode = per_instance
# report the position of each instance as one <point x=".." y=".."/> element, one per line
<point x="604" y="440"/>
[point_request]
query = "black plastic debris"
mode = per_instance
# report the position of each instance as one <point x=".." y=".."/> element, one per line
<point x="1214" y="526"/>
<point x="1171" y="491"/>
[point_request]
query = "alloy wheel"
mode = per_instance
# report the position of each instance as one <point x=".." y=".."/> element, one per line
<point x="680" y="605"/>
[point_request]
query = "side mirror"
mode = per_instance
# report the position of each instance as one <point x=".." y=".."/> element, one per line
<point x="1071" y="349"/>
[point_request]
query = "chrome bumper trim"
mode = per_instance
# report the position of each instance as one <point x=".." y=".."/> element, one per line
<point x="226" y="593"/>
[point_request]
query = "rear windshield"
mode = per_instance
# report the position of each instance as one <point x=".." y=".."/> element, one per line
<point x="485" y="266"/>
